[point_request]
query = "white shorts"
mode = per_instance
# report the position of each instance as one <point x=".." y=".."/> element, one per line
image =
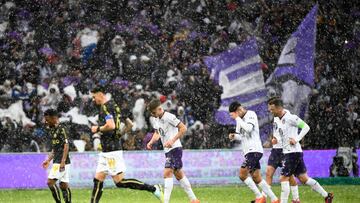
<point x="61" y="176"/>
<point x="111" y="163"/>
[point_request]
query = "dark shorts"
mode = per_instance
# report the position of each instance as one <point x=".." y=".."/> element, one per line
<point x="173" y="159"/>
<point x="276" y="158"/>
<point x="252" y="161"/>
<point x="293" y="164"/>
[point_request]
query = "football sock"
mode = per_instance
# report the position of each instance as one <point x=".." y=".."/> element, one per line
<point x="167" y="189"/>
<point x="185" y="184"/>
<point x="251" y="184"/>
<point x="55" y="193"/>
<point x="317" y="187"/>
<point x="66" y="195"/>
<point x="295" y="192"/>
<point x="135" y="184"/>
<point x="97" y="191"/>
<point x="267" y="190"/>
<point x="285" y="191"/>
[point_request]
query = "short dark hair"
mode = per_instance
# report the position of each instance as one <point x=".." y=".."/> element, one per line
<point x="234" y="106"/>
<point x="277" y="101"/>
<point x="153" y="104"/>
<point x="51" y="112"/>
<point x="98" y="89"/>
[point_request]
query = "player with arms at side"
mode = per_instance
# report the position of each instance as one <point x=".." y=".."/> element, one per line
<point x="111" y="160"/>
<point x="60" y="155"/>
<point x="170" y="129"/>
<point x="247" y="130"/>
<point x="276" y="160"/>
<point x="288" y="125"/>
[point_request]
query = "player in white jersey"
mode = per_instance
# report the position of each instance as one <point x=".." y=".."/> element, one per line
<point x="170" y="129"/>
<point x="247" y="131"/>
<point x="276" y="159"/>
<point x="288" y="126"/>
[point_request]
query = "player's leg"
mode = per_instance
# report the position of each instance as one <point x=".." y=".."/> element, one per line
<point x="288" y="169"/>
<point x="294" y="190"/>
<point x="256" y="175"/>
<point x="66" y="192"/>
<point x="305" y="179"/>
<point x="185" y="184"/>
<point x="98" y="186"/>
<point x="270" y="171"/>
<point x="285" y="188"/>
<point x="244" y="176"/>
<point x="168" y="183"/>
<point x="54" y="175"/>
<point x="131" y="183"/>
<point x="301" y="173"/>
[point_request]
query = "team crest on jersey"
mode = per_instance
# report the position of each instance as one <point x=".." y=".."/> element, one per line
<point x="283" y="121"/>
<point x="275" y="126"/>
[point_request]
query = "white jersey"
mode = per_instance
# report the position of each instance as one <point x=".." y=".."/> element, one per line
<point x="250" y="140"/>
<point x="287" y="128"/>
<point x="167" y="128"/>
<point x="276" y="134"/>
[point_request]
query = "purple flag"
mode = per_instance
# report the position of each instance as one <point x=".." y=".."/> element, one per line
<point x="239" y="72"/>
<point x="294" y="74"/>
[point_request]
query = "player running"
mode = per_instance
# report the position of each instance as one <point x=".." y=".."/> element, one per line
<point x="170" y="129"/>
<point x="60" y="156"/>
<point x="276" y="160"/>
<point x="288" y="125"/>
<point x="111" y="160"/>
<point x="247" y="130"/>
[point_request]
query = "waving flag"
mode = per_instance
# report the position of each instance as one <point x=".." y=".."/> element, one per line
<point x="294" y="75"/>
<point x="238" y="71"/>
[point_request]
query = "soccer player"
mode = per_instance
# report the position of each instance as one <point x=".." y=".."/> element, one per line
<point x="60" y="156"/>
<point x="276" y="160"/>
<point x="288" y="125"/>
<point x="111" y="160"/>
<point x="247" y="130"/>
<point x="170" y="129"/>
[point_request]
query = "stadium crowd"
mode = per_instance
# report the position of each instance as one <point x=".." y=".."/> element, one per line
<point x="53" y="52"/>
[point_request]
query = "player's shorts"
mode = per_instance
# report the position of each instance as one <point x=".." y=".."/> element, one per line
<point x="293" y="164"/>
<point x="276" y="158"/>
<point x="55" y="173"/>
<point x="174" y="158"/>
<point x="111" y="163"/>
<point x="252" y="161"/>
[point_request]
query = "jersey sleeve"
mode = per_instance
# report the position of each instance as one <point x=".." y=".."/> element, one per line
<point x="154" y="123"/>
<point x="64" y="135"/>
<point x="296" y="121"/>
<point x="171" y="118"/>
<point x="108" y="112"/>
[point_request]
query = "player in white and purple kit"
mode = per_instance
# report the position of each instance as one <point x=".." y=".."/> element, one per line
<point x="276" y="159"/>
<point x="247" y="131"/>
<point x="170" y="129"/>
<point x="288" y="126"/>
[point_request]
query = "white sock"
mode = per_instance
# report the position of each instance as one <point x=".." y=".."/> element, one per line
<point x="185" y="184"/>
<point x="267" y="190"/>
<point x="169" y="183"/>
<point x="317" y="187"/>
<point x="295" y="192"/>
<point x="251" y="184"/>
<point x="285" y="191"/>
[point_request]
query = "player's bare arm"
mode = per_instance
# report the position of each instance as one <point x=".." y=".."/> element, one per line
<point x="182" y="130"/>
<point x="63" y="159"/>
<point x="46" y="163"/>
<point x="155" y="138"/>
<point x="109" y="125"/>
